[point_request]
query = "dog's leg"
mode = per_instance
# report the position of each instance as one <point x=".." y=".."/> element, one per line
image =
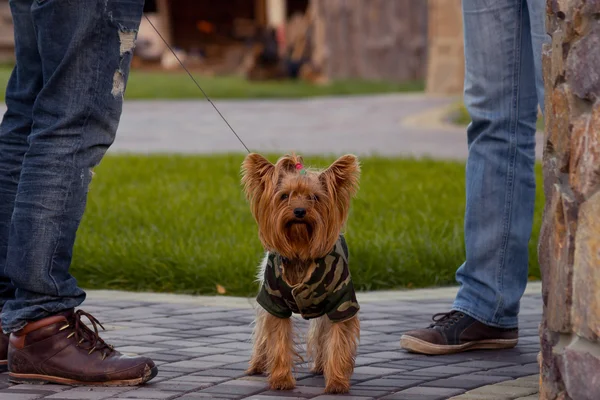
<point x="258" y="362"/>
<point x="317" y="334"/>
<point x="280" y="352"/>
<point x="341" y="347"/>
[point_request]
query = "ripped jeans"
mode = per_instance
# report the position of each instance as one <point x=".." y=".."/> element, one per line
<point x="64" y="99"/>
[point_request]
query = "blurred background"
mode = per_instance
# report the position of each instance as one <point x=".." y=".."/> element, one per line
<point x="312" y="40"/>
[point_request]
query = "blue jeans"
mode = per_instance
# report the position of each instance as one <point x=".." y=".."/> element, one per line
<point x="64" y="100"/>
<point x="503" y="87"/>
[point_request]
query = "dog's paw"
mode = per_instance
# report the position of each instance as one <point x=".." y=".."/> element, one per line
<point x="254" y="370"/>
<point x="317" y="370"/>
<point x="337" y="387"/>
<point x="286" y="383"/>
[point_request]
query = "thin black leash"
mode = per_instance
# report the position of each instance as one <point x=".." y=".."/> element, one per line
<point x="197" y="84"/>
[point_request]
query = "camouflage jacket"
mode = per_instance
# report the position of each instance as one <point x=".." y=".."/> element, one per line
<point x="329" y="289"/>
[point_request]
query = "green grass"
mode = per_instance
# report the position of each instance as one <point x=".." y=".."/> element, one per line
<point x="460" y="116"/>
<point x="177" y="85"/>
<point x="181" y="224"/>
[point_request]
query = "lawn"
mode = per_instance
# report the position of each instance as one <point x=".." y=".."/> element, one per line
<point x="181" y="224"/>
<point x="178" y="85"/>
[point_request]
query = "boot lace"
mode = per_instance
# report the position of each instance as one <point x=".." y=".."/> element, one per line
<point x="87" y="339"/>
<point x="445" y="320"/>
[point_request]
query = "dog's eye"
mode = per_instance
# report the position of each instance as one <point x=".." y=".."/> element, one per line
<point x="284" y="196"/>
<point x="315" y="197"/>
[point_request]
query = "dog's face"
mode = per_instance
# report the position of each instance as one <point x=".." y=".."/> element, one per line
<point x="300" y="213"/>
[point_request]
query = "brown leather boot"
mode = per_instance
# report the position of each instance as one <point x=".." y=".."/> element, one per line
<point x="62" y="349"/>
<point x="3" y="350"/>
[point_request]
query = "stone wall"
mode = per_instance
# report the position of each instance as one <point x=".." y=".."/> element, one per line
<point x="569" y="248"/>
<point x="446" y="63"/>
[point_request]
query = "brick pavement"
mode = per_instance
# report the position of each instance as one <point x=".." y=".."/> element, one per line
<point x="202" y="351"/>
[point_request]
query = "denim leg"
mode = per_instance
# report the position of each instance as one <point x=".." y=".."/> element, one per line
<point x="23" y="86"/>
<point x="539" y="36"/>
<point x="86" y="49"/>
<point x="502" y="98"/>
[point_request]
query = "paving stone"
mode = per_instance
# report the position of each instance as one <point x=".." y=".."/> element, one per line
<point x="346" y="397"/>
<point x="397" y="367"/>
<point x="528" y="383"/>
<point x="424" y="393"/>
<point x="45" y="388"/>
<point x="467" y="381"/>
<point x="420" y="364"/>
<point x="20" y="396"/>
<point x="220" y="372"/>
<point x="147" y="394"/>
<point x="271" y="397"/>
<point x="235" y="345"/>
<point x="365" y="359"/>
<point x="190" y="366"/>
<point x="504" y="390"/>
<point x="242" y="366"/>
<point x="168" y="357"/>
<point x="483" y="364"/>
<point x="392" y="383"/>
<point x="178" y="385"/>
<point x="479" y="396"/>
<point x="200" y="395"/>
<point x="514" y="371"/>
<point x="231" y="388"/>
<point x="390" y="355"/>
<point x="212" y="380"/>
<point x="366" y="370"/>
<point x="140" y="349"/>
<point x="317" y="381"/>
<point x="223" y="359"/>
<point x="83" y="393"/>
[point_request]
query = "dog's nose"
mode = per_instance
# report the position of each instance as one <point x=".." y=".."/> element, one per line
<point x="299" y="212"/>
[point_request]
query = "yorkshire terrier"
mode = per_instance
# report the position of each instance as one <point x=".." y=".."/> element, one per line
<point x="300" y="215"/>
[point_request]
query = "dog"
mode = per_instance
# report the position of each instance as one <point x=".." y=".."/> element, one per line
<point x="300" y="215"/>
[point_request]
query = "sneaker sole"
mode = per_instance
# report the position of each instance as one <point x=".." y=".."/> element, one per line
<point x="34" y="379"/>
<point x="415" y="345"/>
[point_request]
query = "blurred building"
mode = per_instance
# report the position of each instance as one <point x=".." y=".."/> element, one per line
<point x="369" y="39"/>
<point x="318" y="40"/>
<point x="7" y="41"/>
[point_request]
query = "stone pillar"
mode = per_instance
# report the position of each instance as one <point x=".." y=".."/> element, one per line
<point x="569" y="248"/>
<point x="446" y="63"/>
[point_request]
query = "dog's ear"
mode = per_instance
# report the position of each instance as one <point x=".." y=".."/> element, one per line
<point x="342" y="176"/>
<point x="257" y="174"/>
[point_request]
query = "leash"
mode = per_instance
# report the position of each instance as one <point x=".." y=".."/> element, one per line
<point x="198" y="85"/>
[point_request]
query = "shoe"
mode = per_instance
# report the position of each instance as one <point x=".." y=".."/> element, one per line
<point x="62" y="349"/>
<point x="3" y="350"/>
<point x="455" y="332"/>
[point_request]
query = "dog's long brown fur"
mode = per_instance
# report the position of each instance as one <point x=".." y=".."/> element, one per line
<point x="332" y="347"/>
<point x="274" y="191"/>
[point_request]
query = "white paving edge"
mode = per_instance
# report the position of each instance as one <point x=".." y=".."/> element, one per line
<point x="445" y="293"/>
